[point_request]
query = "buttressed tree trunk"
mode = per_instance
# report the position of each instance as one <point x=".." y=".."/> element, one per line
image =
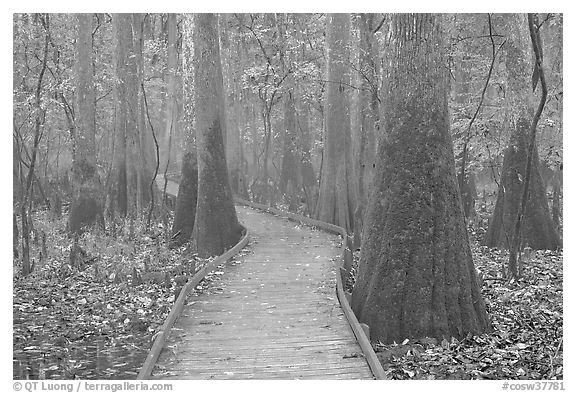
<point x="217" y="228"/>
<point x="86" y="206"/>
<point x="537" y="230"/>
<point x="336" y="198"/>
<point x="185" y="213"/>
<point x="416" y="275"/>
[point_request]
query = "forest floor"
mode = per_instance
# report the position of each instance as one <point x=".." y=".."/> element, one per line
<point x="527" y="321"/>
<point x="97" y="319"/>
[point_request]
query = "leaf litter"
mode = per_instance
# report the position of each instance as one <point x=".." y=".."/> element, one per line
<point x="527" y="320"/>
<point x="97" y="319"/>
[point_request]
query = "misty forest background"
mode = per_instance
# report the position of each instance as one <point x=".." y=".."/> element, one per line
<point x="294" y="111"/>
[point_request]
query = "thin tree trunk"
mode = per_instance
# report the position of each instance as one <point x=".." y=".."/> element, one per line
<point x="513" y="264"/>
<point x="27" y="192"/>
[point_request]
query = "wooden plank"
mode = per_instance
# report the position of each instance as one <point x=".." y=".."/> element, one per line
<point x="305" y="353"/>
<point x="286" y="374"/>
<point x="318" y="369"/>
<point x="311" y="299"/>
<point x="264" y="312"/>
<point x="268" y="334"/>
<point x="274" y="354"/>
<point x="290" y="361"/>
<point x="264" y="371"/>
<point x="238" y="328"/>
<point x="189" y="352"/>
<point x="272" y="377"/>
<point x="266" y="345"/>
<point x="288" y="337"/>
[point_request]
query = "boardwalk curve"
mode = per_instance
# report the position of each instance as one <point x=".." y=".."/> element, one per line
<point x="272" y="314"/>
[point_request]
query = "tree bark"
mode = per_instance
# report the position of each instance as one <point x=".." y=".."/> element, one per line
<point x="38" y="123"/>
<point x="288" y="184"/>
<point x="556" y="206"/>
<point x="86" y="206"/>
<point x="369" y="117"/>
<point x="416" y="276"/>
<point x="125" y="121"/>
<point x="185" y="214"/>
<point x="337" y="193"/>
<point x="171" y="102"/>
<point x="233" y="64"/>
<point x="537" y="229"/>
<point x="369" y="106"/>
<point x="303" y="136"/>
<point x="143" y="139"/>
<point x="217" y="228"/>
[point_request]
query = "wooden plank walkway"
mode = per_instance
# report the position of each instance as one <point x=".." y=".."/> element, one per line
<point x="272" y="314"/>
<point x="171" y="186"/>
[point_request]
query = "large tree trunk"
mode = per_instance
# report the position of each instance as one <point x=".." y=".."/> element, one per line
<point x="303" y="135"/>
<point x="217" y="228"/>
<point x="416" y="275"/>
<point x="86" y="205"/>
<point x="233" y="66"/>
<point x="307" y="175"/>
<point x="288" y="184"/>
<point x="124" y="184"/>
<point x="369" y="69"/>
<point x="337" y="193"/>
<point x="537" y="230"/>
<point x="144" y="141"/>
<point x="368" y="112"/>
<point x="185" y="214"/>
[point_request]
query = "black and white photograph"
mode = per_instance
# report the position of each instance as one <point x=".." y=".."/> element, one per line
<point x="287" y="196"/>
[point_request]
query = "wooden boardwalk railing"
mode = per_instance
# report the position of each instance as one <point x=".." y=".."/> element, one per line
<point x="273" y="313"/>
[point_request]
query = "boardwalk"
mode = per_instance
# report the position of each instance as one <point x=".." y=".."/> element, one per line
<point x="171" y="186"/>
<point x="273" y="314"/>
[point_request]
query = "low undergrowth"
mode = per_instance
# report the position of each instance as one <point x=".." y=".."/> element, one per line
<point x="95" y="317"/>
